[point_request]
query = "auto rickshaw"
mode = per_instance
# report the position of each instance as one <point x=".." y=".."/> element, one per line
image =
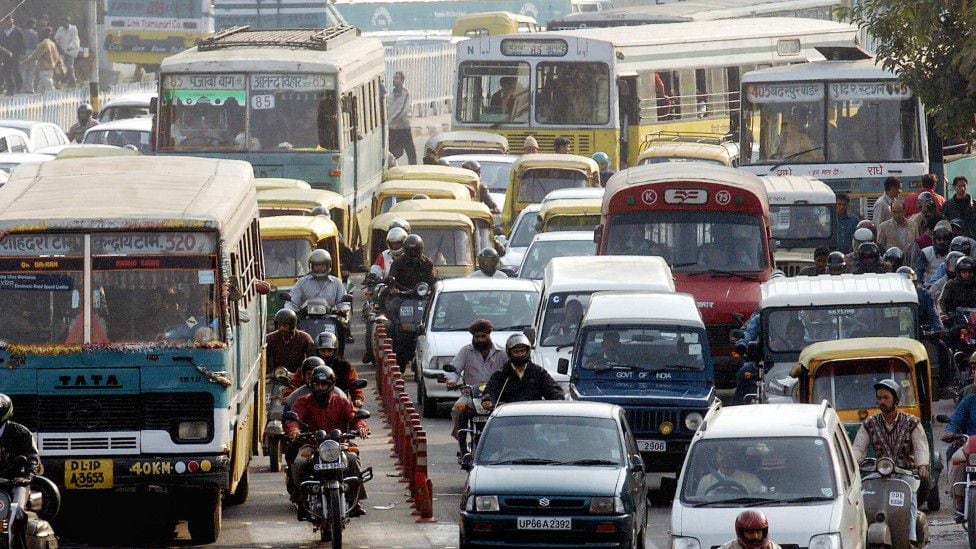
<point x="287" y="241"/>
<point x="275" y="202"/>
<point x="844" y="371"/>
<point x="389" y="193"/>
<point x="477" y="212"/>
<point x="435" y="172"/>
<point x="448" y="239"/>
<point x="465" y="142"/>
<point x="718" y="153"/>
<point x="536" y="175"/>
<point x="569" y="215"/>
<point x="269" y="183"/>
<point x="91" y="150"/>
<point x="493" y="23"/>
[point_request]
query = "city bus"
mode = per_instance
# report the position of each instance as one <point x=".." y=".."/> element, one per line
<point x="146" y="31"/>
<point x="132" y="335"/>
<point x="609" y="89"/>
<point x="711" y="225"/>
<point x="850" y="124"/>
<point x="411" y="15"/>
<point x="302" y="104"/>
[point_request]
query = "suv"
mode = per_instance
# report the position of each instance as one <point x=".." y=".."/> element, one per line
<point x="793" y="462"/>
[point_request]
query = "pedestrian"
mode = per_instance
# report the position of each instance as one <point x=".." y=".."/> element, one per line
<point x="562" y="145"/>
<point x="928" y="185"/>
<point x="530" y="146"/>
<point x="960" y="205"/>
<point x="603" y="161"/>
<point x="882" y="206"/>
<point x="846" y="224"/>
<point x="28" y="71"/>
<point x="48" y="61"/>
<point x="398" y="109"/>
<point x="69" y="44"/>
<point x="12" y="41"/>
<point x="897" y="231"/>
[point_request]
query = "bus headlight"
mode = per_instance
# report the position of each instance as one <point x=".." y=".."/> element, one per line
<point x="193" y="430"/>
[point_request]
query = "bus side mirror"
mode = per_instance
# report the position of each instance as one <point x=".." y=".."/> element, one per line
<point x="154" y="105"/>
<point x="598" y="234"/>
<point x="772" y="245"/>
<point x="562" y="366"/>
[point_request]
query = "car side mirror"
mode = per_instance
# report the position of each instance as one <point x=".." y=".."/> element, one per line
<point x="359" y="384"/>
<point x="598" y="234"/>
<point x="942" y="418"/>
<point x="562" y="366"/>
<point x="347" y="298"/>
<point x="289" y="416"/>
<point x="467" y="462"/>
<point x="285" y="296"/>
<point x="529" y="333"/>
<point x="637" y="463"/>
<point x="362" y="414"/>
<point x="449" y="368"/>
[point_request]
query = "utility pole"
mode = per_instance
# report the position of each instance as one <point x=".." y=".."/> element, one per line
<point x="93" y="50"/>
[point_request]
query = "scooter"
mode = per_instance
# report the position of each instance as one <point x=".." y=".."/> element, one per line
<point x="887" y="505"/>
<point x="316" y="316"/>
<point x="406" y="324"/>
<point x="274" y="431"/>
<point x="44" y="502"/>
<point x="322" y="496"/>
<point x="962" y="478"/>
<point x="476" y="420"/>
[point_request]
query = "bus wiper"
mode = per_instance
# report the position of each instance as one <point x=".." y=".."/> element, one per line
<point x="723" y="272"/>
<point x="747" y="500"/>
<point x="791" y="157"/>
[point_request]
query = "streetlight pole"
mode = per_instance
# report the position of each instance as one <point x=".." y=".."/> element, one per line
<point x="93" y="48"/>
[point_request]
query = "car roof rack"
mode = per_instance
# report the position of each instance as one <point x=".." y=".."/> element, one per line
<point x="311" y="39"/>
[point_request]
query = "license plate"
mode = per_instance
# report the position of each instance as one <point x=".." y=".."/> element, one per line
<point x="326" y="466"/>
<point x="544" y="523"/>
<point x="970" y="469"/>
<point x="652" y="445"/>
<point x="88" y="474"/>
<point x="406" y="310"/>
<point x="329" y="328"/>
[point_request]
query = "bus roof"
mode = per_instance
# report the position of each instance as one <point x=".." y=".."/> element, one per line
<point x="796" y="189"/>
<point x="154" y="192"/>
<point x="863" y="69"/>
<point x="847" y="289"/>
<point x="616" y="17"/>
<point x="701" y="10"/>
<point x="628" y="307"/>
<point x="650" y="174"/>
<point x="608" y="272"/>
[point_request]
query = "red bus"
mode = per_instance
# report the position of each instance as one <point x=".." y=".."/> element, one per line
<point x="711" y="224"/>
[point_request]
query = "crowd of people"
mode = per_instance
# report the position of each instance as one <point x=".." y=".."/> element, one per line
<point x="36" y="57"/>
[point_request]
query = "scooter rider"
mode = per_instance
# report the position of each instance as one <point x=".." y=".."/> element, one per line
<point x="394" y="249"/>
<point x="484" y="195"/>
<point x="488" y="265"/>
<point x="412" y="268"/>
<point x="287" y="345"/>
<point x="300" y="380"/>
<point x="19" y="461"/>
<point x="892" y="259"/>
<point x="751" y="532"/>
<point x="327" y="410"/>
<point x="960" y="291"/>
<point x="328" y="350"/>
<point x="928" y="259"/>
<point x="474" y="365"/>
<point x="962" y="422"/>
<point x="897" y="436"/>
<point x="836" y="263"/>
<point x="318" y="283"/>
<point x="868" y="259"/>
<point x="519" y="379"/>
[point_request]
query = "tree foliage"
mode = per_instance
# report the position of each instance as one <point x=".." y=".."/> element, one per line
<point x="931" y="44"/>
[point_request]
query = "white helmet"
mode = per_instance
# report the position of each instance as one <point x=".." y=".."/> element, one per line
<point x="401" y="223"/>
<point x="863" y="235"/>
<point x="396" y="235"/>
<point x="320" y="257"/>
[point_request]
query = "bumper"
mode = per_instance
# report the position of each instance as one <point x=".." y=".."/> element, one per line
<point x="501" y="530"/>
<point x="133" y="472"/>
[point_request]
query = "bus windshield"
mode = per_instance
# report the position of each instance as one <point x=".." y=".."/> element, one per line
<point x="790" y="330"/>
<point x="493" y="92"/>
<point x="699" y="241"/>
<point x="840" y="122"/>
<point x="794" y="224"/>
<point x="572" y="93"/>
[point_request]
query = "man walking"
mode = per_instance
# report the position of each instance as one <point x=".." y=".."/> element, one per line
<point x="28" y="70"/>
<point x="961" y="206"/>
<point x="846" y="224"/>
<point x="398" y="113"/>
<point x="13" y="42"/>
<point x="897" y="231"/>
<point x="69" y="44"/>
<point x="882" y="207"/>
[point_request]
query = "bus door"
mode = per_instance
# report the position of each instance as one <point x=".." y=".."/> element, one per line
<point x="629" y="117"/>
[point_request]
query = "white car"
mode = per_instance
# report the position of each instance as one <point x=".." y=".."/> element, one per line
<point x="508" y="303"/>
<point x="523" y="229"/>
<point x="41" y="134"/>
<point x="14" y="141"/>
<point x="10" y="161"/>
<point x="131" y="132"/>
<point x="793" y="462"/>
<point x="546" y="246"/>
<point x="495" y="172"/>
<point x="130" y="105"/>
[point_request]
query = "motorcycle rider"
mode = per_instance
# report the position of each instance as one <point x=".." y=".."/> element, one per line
<point x="836" y="263"/>
<point x="86" y="121"/>
<point x="861" y="236"/>
<point x="929" y="258"/>
<point x="897" y="436"/>
<point x="19" y="461"/>
<point x="484" y="194"/>
<point x="287" y="345"/>
<point x="960" y="291"/>
<point x="745" y="378"/>
<point x="892" y="259"/>
<point x="300" y="386"/>
<point x="959" y="245"/>
<point x="317" y="284"/>
<point x="328" y="350"/>
<point x="474" y="365"/>
<point x="751" y="532"/>
<point x="948" y="269"/>
<point x="412" y="268"/>
<point x="488" y="265"/>
<point x="394" y="249"/>
<point x="327" y="410"/>
<point x="519" y="379"/>
<point x="868" y="259"/>
<point x="603" y="162"/>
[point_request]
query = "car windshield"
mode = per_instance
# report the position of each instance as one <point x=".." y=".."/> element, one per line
<point x="641" y="347"/>
<point x="524" y="231"/>
<point x="691" y="241"/>
<point x="550" y="440"/>
<point x="790" y="330"/>
<point x="123" y="113"/>
<point x="536" y="183"/>
<point x="120" y="138"/>
<point x="541" y="252"/>
<point x="564" y="311"/>
<point x="286" y="257"/>
<point x="572" y="222"/>
<point x="447" y="246"/>
<point x="794" y="224"/>
<point x="849" y="384"/>
<point x="777" y="469"/>
<point x="507" y="310"/>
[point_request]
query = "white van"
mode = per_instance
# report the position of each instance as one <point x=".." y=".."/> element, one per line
<point x="802" y="216"/>
<point x="568" y="283"/>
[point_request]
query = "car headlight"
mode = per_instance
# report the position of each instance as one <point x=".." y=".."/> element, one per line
<point x="605" y="505"/>
<point x="329" y="451"/>
<point x="486" y="503"/>
<point x="678" y="542"/>
<point x="825" y="541"/>
<point x="193" y="430"/>
<point x="693" y="421"/>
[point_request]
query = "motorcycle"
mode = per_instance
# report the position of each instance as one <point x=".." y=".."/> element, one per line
<point x="960" y="339"/>
<point x="405" y="325"/>
<point x="962" y="477"/>
<point x="42" y="506"/>
<point x="322" y="496"/>
<point x="316" y="316"/>
<point x="887" y="504"/>
<point x="274" y="430"/>
<point x="371" y="311"/>
<point x="476" y="420"/>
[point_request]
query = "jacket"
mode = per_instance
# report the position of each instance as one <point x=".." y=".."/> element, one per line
<point x="410" y="271"/>
<point x="535" y="384"/>
<point x="963" y="419"/>
<point x="345" y="374"/>
<point x="16" y="441"/>
<point x="337" y="413"/>
<point x="957" y="294"/>
<point x="964" y="209"/>
<point x="289" y="354"/>
<point x="331" y="289"/>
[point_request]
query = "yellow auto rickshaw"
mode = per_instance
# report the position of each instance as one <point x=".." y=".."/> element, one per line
<point x="91" y="150"/>
<point x="269" y="183"/>
<point x="536" y="175"/>
<point x="275" y="202"/>
<point x="465" y="142"/>
<point x="287" y="241"/>
<point x="448" y="239"/>
<point x="569" y="214"/>
<point x="435" y="172"/>
<point x="707" y="149"/>
<point x="389" y="193"/>
<point x="477" y="212"/>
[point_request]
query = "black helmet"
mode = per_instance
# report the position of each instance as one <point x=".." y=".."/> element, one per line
<point x="413" y="246"/>
<point x="941" y="237"/>
<point x="907" y="272"/>
<point x="311" y="363"/>
<point x="966" y="264"/>
<point x="488" y="261"/>
<point x="6" y="409"/>
<point x="961" y="244"/>
<point x="472" y="165"/>
<point x="287" y="317"/>
<point x="515" y="341"/>
<point x="893" y="258"/>
<point x="951" y="260"/>
<point x="85" y="107"/>
<point x="327" y="340"/>
<point x="322" y="375"/>
<point x="836" y="263"/>
<point x="868" y="250"/>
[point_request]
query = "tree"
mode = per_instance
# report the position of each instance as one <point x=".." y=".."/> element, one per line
<point x="931" y="45"/>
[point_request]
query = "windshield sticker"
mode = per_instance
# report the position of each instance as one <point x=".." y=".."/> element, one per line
<point x="906" y="383"/>
<point x="36" y="282"/>
<point x="780" y="219"/>
<point x="827" y="492"/>
<point x="205" y="277"/>
<point x="695" y="349"/>
<point x="818" y="442"/>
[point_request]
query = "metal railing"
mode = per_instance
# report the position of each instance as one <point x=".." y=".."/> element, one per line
<point x="429" y="73"/>
<point x="60" y="107"/>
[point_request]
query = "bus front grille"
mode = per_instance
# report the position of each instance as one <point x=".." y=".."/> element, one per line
<point x="100" y="413"/>
<point x="581" y="143"/>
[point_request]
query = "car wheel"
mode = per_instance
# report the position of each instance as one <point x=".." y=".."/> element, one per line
<point x="428" y="406"/>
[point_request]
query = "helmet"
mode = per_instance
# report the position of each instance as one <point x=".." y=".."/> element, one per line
<point x="777" y="273"/>
<point x="889" y="385"/>
<point x="868" y="250"/>
<point x="320" y="210"/>
<point x="401" y="223"/>
<point x="327" y="340"/>
<point x="941" y="237"/>
<point x="966" y="264"/>
<point x="894" y="257"/>
<point x="320" y="257"/>
<point x="322" y="374"/>
<point x="311" y="363"/>
<point x="413" y="246"/>
<point x="515" y="341"/>
<point x="601" y="158"/>
<point x="6" y="409"/>
<point x="961" y="244"/>
<point x="836" y="263"/>
<point x="396" y="236"/>
<point x="488" y="260"/>
<point x="443" y="162"/>
<point x="287" y="317"/>
<point x="957" y="224"/>
<point x="866" y="224"/>
<point x="861" y="236"/>
<point x="925" y="198"/>
<point x="751" y="520"/>
<point x="907" y="272"/>
<point x="85" y="107"/>
<point x="472" y="165"/>
<point x="951" y="260"/>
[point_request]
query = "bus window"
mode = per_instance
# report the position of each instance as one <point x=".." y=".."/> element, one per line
<point x="293" y="119"/>
<point x="871" y="122"/>
<point x="787" y="120"/>
<point x="202" y="112"/>
<point x="572" y="93"/>
<point x="493" y="92"/>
